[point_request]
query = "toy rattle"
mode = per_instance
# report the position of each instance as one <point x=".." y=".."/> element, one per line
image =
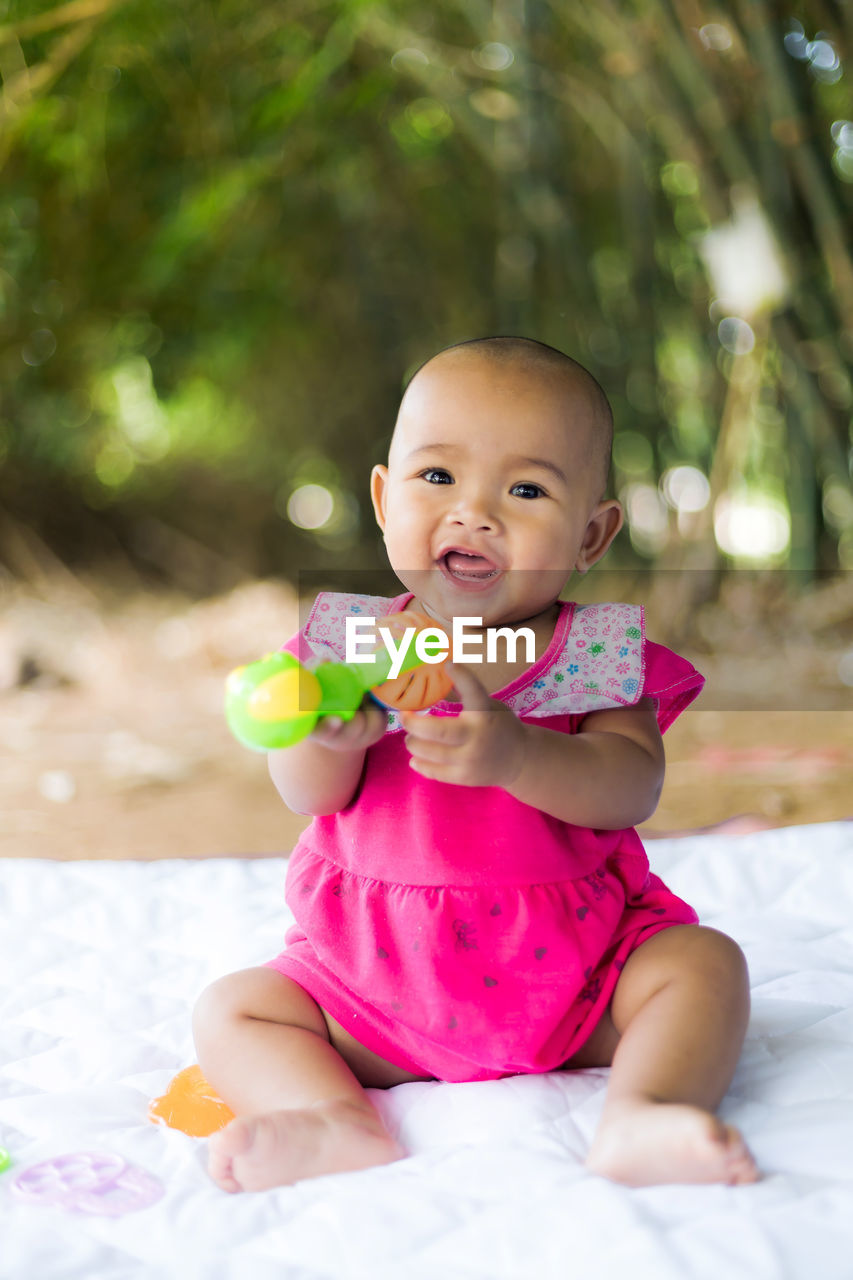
<point x="277" y="701"/>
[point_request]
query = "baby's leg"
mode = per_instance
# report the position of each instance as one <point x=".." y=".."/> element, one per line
<point x="680" y="1010"/>
<point x="264" y="1045"/>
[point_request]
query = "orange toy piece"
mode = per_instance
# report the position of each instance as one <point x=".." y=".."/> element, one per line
<point x="189" y="1104"/>
<point x="421" y="687"/>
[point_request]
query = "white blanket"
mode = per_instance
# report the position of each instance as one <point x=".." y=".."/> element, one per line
<point x="102" y="963"/>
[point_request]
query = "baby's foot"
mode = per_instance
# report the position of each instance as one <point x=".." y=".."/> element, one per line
<point x="645" y="1143"/>
<point x="282" y="1147"/>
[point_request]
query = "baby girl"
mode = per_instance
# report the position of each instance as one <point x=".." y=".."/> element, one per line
<point x="471" y="899"/>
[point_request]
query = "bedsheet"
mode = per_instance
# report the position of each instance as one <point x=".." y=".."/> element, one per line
<point x="102" y="961"/>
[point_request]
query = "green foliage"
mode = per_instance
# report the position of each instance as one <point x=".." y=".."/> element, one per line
<point x="228" y="231"/>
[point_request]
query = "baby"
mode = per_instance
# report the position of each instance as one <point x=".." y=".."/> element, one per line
<point x="472" y="900"/>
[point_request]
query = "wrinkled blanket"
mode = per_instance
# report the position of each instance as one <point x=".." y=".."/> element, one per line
<point x="102" y="961"/>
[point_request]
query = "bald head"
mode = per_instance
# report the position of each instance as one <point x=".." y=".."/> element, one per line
<point x="573" y="384"/>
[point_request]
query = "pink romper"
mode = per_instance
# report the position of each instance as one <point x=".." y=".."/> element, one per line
<point x="455" y="931"/>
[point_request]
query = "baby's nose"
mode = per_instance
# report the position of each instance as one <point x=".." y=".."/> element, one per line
<point x="476" y="510"/>
<point x="475" y="517"/>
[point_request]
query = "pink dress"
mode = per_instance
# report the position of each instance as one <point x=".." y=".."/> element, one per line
<point x="455" y="931"/>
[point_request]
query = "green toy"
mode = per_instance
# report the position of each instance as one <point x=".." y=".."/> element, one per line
<point x="276" y="702"/>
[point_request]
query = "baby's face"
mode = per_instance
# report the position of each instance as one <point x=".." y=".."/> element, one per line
<point x="491" y="496"/>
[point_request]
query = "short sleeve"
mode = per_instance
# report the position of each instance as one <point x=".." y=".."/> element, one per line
<point x="671" y="681"/>
<point x="309" y="652"/>
<point x="323" y="636"/>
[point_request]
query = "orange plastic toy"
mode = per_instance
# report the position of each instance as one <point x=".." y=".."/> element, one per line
<point x="189" y="1104"/>
<point x="421" y="687"/>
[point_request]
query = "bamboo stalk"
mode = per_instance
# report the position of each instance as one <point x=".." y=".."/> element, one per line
<point x="74" y="11"/>
<point x="31" y="80"/>
<point x="814" y="190"/>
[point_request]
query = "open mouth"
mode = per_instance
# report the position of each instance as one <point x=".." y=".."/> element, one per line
<point x="468" y="566"/>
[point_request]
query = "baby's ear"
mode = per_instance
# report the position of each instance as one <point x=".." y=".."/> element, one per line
<point x="603" y="525"/>
<point x="378" y="492"/>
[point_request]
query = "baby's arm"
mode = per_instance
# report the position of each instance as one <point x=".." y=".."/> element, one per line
<point x="607" y="775"/>
<point x="320" y="774"/>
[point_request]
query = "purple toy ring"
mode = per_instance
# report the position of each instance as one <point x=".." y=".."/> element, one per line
<point x="96" y="1182"/>
<point x="62" y="1179"/>
<point x="133" y="1189"/>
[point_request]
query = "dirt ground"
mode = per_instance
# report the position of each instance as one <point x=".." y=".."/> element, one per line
<point x="113" y="744"/>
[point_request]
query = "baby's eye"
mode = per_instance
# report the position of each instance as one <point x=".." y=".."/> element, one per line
<point x="527" y="490"/>
<point x="437" y="475"/>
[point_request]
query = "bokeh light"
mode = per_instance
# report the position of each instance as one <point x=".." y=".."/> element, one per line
<point x="39" y="347"/>
<point x="648" y="524"/>
<point x="714" y="35"/>
<point x="310" y="506"/>
<point x="139" y="415"/>
<point x="743" y="260"/>
<point x="842" y="158"/>
<point x="820" y="53"/>
<point x="405" y="59"/>
<point x="493" y="56"/>
<point x="735" y="335"/>
<point x="752" y="527"/>
<point x="685" y="489"/>
<point x="495" y="104"/>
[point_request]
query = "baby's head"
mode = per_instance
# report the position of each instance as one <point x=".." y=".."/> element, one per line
<point x="494" y="489"/>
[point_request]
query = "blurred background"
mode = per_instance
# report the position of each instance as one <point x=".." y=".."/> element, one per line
<point x="228" y="234"/>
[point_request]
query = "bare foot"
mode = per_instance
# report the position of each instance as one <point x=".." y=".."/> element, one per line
<point x="274" y="1150"/>
<point x="642" y="1144"/>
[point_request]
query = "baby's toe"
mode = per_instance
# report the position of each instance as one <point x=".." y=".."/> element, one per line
<point x="741" y="1165"/>
<point x="222" y="1147"/>
<point x="220" y="1169"/>
<point x="224" y="1181"/>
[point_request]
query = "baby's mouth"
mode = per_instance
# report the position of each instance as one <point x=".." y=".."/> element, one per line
<point x="467" y="566"/>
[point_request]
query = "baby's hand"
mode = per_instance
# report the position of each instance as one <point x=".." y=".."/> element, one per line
<point x="365" y="728"/>
<point x="481" y="747"/>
